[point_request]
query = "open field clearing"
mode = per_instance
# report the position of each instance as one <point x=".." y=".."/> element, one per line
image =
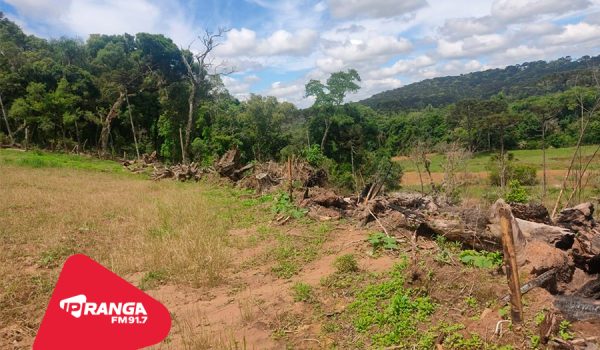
<point x="557" y="159"/>
<point x="232" y="278"/>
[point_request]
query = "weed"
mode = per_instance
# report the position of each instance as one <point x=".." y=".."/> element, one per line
<point x="153" y="279"/>
<point x="535" y="341"/>
<point x="471" y="302"/>
<point x="564" y="330"/>
<point x="539" y="318"/>
<point x="53" y="257"/>
<point x="389" y="311"/>
<point x="283" y="205"/>
<point x="445" y="250"/>
<point x="457" y="341"/>
<point x="345" y="263"/>
<point x="330" y="327"/>
<point x="516" y="193"/>
<point x="481" y="259"/>
<point x="504" y="311"/>
<point x="285" y="269"/>
<point x="380" y="240"/>
<point x="302" y="292"/>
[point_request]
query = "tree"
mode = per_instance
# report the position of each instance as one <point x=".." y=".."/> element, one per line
<point x="546" y="108"/>
<point x="198" y="74"/>
<point x="329" y="96"/>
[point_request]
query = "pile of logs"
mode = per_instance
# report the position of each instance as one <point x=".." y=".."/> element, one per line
<point x="549" y="252"/>
<point x="180" y="172"/>
<point x="140" y="165"/>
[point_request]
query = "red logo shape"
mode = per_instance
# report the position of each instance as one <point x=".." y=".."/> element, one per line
<point x="93" y="308"/>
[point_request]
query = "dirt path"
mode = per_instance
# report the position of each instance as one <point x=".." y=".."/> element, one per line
<point x="253" y="303"/>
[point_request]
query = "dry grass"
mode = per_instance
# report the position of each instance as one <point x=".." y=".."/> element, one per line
<point x="128" y="224"/>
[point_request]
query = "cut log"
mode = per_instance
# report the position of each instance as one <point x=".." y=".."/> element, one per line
<point x="228" y="163"/>
<point x="578" y="308"/>
<point x="455" y="230"/>
<point x="534" y="212"/>
<point x="539" y="281"/>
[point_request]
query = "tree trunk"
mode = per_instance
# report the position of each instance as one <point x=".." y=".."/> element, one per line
<point x="10" y="134"/>
<point x="544" y="183"/>
<point x="137" y="150"/>
<point x="324" y="139"/>
<point x="106" y="124"/>
<point x="190" y="123"/>
<point x="502" y="162"/>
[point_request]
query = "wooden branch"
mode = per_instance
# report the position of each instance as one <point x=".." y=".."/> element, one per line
<point x="510" y="261"/>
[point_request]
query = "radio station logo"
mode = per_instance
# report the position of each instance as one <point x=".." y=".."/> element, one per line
<point x="123" y="313"/>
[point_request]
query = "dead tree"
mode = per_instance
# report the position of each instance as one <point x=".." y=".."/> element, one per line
<point x="10" y="134"/>
<point x="198" y="66"/>
<point x="107" y="122"/>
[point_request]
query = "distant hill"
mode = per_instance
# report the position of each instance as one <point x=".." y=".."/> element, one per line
<point x="518" y="81"/>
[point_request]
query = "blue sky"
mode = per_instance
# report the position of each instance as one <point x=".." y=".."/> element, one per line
<point x="275" y="46"/>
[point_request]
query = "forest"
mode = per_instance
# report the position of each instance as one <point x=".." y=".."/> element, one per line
<point x="126" y="95"/>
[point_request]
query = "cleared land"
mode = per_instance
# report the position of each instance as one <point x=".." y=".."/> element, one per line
<point x="231" y="278"/>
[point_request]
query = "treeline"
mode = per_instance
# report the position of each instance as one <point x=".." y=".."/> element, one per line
<point x="116" y="94"/>
<point x="516" y="81"/>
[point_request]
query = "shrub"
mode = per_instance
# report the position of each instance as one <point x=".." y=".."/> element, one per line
<point x="516" y="193"/>
<point x="313" y="155"/>
<point x="525" y="174"/>
<point x="345" y="263"/>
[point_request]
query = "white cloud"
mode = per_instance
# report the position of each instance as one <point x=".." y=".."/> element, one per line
<point x="40" y="8"/>
<point x="575" y="33"/>
<point x="113" y="17"/>
<point x="355" y="50"/>
<point x="473" y="46"/>
<point x="240" y="88"/>
<point x="462" y="27"/>
<point x="513" y="10"/>
<point x="244" y="42"/>
<point x="373" y="8"/>
<point x="330" y="64"/>
<point x="403" y="66"/>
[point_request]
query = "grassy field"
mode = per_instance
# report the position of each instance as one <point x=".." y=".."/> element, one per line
<point x="233" y="274"/>
<point x="557" y="159"/>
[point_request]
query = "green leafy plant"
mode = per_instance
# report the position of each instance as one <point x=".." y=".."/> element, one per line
<point x="380" y="240"/>
<point x="539" y="318"/>
<point x="345" y="263"/>
<point x="390" y="312"/>
<point x="283" y="205"/>
<point x="313" y="155"/>
<point x="302" y="291"/>
<point x="564" y="330"/>
<point x="535" y="341"/>
<point x="516" y="192"/>
<point x="483" y="259"/>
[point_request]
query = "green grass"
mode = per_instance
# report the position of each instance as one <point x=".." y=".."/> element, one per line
<point x="557" y="159"/>
<point x="302" y="292"/>
<point x="41" y="159"/>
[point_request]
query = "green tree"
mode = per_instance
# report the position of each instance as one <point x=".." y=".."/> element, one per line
<point x="329" y="96"/>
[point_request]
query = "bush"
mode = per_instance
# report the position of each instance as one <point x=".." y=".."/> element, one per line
<point x="525" y="174"/>
<point x="313" y="155"/>
<point x="516" y="193"/>
<point x="345" y="263"/>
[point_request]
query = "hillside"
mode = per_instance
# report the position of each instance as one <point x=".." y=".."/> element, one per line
<point x="518" y="81"/>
